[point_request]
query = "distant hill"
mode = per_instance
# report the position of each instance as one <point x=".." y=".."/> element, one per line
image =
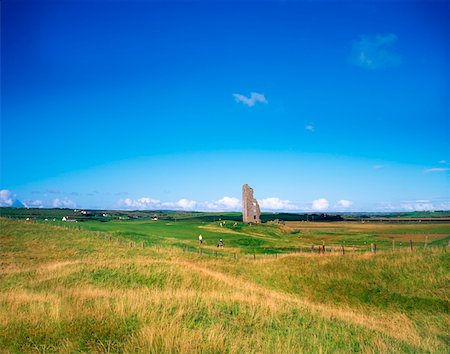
<point x="21" y="212"/>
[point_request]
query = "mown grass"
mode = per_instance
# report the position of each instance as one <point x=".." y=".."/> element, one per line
<point x="67" y="290"/>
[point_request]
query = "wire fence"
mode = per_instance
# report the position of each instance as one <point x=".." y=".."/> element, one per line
<point x="265" y="253"/>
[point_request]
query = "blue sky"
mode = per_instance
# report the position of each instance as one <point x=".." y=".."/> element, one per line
<point x="319" y="106"/>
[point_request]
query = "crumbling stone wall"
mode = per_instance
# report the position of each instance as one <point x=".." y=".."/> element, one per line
<point x="250" y="206"/>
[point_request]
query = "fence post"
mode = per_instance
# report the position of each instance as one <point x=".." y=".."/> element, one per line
<point x="411" y="245"/>
<point x="343" y="250"/>
<point x="143" y="246"/>
<point x="254" y="255"/>
<point x="312" y="247"/>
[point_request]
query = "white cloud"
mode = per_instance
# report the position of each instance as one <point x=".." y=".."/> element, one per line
<point x="320" y="204"/>
<point x="7" y="198"/>
<point x="230" y="202"/>
<point x="146" y="203"/>
<point x="226" y="203"/>
<point x="186" y="204"/>
<point x="63" y="203"/>
<point x="141" y="203"/>
<point x="275" y="203"/>
<point x="250" y="101"/>
<point x="344" y="203"/>
<point x="310" y="127"/>
<point x="377" y="167"/>
<point x="374" y="52"/>
<point x="437" y="169"/>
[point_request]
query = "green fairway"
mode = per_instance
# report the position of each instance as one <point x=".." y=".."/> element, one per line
<point x="272" y="237"/>
<point x="237" y="237"/>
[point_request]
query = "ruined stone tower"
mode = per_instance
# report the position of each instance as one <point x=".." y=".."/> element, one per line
<point x="250" y="206"/>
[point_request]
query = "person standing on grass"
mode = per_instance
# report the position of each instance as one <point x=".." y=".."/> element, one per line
<point x="200" y="239"/>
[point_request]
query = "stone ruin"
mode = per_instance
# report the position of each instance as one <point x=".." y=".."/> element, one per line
<point x="250" y="207"/>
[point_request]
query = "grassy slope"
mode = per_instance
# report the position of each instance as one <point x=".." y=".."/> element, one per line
<point x="67" y="290"/>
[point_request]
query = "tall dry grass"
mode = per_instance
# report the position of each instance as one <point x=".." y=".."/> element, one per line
<point x="67" y="290"/>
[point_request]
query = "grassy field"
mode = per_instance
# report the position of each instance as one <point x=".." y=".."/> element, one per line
<point x="272" y="238"/>
<point x="70" y="290"/>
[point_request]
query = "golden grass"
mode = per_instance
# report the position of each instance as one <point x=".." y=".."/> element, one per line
<point x="117" y="299"/>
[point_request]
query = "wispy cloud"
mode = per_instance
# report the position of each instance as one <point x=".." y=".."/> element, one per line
<point x="36" y="203"/>
<point x="320" y="204"/>
<point x="53" y="191"/>
<point x="344" y="203"/>
<point x="437" y="169"/>
<point x="252" y="100"/>
<point x="386" y="206"/>
<point x="275" y="203"/>
<point x="374" y="52"/>
<point x="418" y="205"/>
<point x="310" y="127"/>
<point x="415" y="205"/>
